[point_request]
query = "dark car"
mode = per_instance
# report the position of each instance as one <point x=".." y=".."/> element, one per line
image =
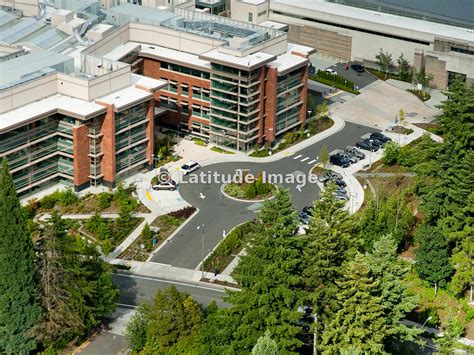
<point x="354" y="151"/>
<point x="304" y="218"/>
<point x="338" y="182"/>
<point x="381" y="137"/>
<point x="375" y="142"/>
<point x="329" y="175"/>
<point x="358" y="68"/>
<point x="351" y="157"/>
<point x="339" y="160"/>
<point x="366" y="145"/>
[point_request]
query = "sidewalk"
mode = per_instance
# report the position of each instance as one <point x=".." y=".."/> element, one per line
<point x="437" y="97"/>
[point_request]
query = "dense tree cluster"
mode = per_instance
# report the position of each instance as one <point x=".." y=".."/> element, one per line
<point x="52" y="293"/>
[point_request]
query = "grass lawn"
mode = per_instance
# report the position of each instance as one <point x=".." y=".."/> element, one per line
<point x="167" y="224"/>
<point x="220" y="150"/>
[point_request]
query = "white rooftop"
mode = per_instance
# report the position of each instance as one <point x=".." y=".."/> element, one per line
<point x="148" y="83"/>
<point x="175" y="56"/>
<point x="287" y="62"/>
<point x="254" y="2"/>
<point x="382" y="19"/>
<point x="64" y="104"/>
<point x="126" y="97"/>
<point x="274" y="24"/>
<point x="298" y="48"/>
<point x="121" y="50"/>
<point x="247" y="62"/>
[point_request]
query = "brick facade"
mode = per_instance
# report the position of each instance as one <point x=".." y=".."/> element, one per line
<point x="108" y="145"/>
<point x="81" y="155"/>
<point x="270" y="103"/>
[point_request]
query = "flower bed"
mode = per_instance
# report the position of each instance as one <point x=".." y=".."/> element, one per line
<point x="421" y="94"/>
<point x="166" y="224"/>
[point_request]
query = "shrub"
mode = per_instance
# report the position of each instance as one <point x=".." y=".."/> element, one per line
<point x="104" y="199"/>
<point x="31" y="207"/>
<point x="67" y="197"/>
<point x="48" y="202"/>
<point x="251" y="192"/>
<point x="235" y="190"/>
<point x="185" y="212"/>
<point x="391" y="153"/>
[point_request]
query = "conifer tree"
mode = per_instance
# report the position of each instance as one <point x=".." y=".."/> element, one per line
<point x="265" y="345"/>
<point x="270" y="277"/>
<point x="359" y="325"/>
<point x="390" y="271"/>
<point x="329" y="242"/>
<point x="19" y="308"/>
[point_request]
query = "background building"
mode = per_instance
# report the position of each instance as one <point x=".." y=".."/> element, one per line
<point x="436" y="36"/>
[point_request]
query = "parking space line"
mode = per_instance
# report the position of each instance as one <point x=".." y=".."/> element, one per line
<point x="298" y="156"/>
<point x="305" y="159"/>
<point x="312" y="161"/>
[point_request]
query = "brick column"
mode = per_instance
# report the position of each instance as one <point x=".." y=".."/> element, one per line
<point x="108" y="145"/>
<point x="150" y="131"/>
<point x="81" y="157"/>
<point x="304" y="94"/>
<point x="270" y="104"/>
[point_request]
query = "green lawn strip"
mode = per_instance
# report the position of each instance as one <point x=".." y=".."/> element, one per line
<point x="230" y="247"/>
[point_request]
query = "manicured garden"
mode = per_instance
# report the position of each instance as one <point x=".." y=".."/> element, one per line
<point x="68" y="202"/>
<point x="220" y="150"/>
<point x="421" y="94"/>
<point x="317" y="125"/>
<point x="250" y="188"/>
<point x="153" y="236"/>
<point x="230" y="247"/>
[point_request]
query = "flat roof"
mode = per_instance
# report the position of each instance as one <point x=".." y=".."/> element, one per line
<point x="125" y="98"/>
<point x="174" y="56"/>
<point x="298" y="48"/>
<point x="248" y="62"/>
<point x="17" y="69"/>
<point x="382" y="19"/>
<point x="274" y="24"/>
<point x="288" y="62"/>
<point x="148" y="83"/>
<point x="121" y="50"/>
<point x="254" y="2"/>
<point x="50" y="105"/>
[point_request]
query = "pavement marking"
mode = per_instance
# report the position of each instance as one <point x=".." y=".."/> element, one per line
<point x="312" y="161"/>
<point x="287" y="154"/>
<point x="148" y="196"/>
<point x="171" y="282"/>
<point x="298" y="156"/>
<point x="305" y="159"/>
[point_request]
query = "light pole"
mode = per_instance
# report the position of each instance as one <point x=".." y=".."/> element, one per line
<point x="202" y="227"/>
<point x="427" y="319"/>
<point x="315" y="333"/>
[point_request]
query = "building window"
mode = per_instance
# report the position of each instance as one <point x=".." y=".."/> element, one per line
<point x="250" y="17"/>
<point x="262" y="13"/>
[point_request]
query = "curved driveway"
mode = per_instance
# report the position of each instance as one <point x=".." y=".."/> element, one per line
<point x="220" y="214"/>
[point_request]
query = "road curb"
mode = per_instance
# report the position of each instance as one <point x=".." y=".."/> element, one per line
<point x="241" y="200"/>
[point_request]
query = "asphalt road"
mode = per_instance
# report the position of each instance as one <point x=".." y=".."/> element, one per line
<point x="135" y="290"/>
<point x="218" y="213"/>
<point x="360" y="79"/>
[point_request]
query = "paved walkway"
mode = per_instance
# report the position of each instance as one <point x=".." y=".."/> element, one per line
<point x="383" y="174"/>
<point x="437" y="96"/>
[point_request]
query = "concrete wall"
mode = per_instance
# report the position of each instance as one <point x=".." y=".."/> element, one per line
<point x="29" y="7"/>
<point x="240" y="11"/>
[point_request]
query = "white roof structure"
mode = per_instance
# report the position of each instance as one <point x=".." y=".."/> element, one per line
<point x="174" y="56"/>
<point x="310" y="8"/>
<point x="52" y="104"/>
<point x="148" y="83"/>
<point x="121" y="50"/>
<point x="288" y="62"/>
<point x="300" y="49"/>
<point x="124" y="98"/>
<point x="273" y="24"/>
<point x="247" y="62"/>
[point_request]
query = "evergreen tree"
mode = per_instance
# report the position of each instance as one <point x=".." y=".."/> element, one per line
<point x="432" y="259"/>
<point x="270" y="277"/>
<point x="265" y="346"/>
<point x="389" y="271"/>
<point x="136" y="329"/>
<point x="359" y="325"/>
<point x="446" y="343"/>
<point x="324" y="155"/>
<point x="329" y="243"/>
<point x="60" y="321"/>
<point x="172" y="318"/>
<point x="19" y="308"/>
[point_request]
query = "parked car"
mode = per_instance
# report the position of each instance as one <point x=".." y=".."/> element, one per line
<point x="304" y="218"/>
<point x="329" y="175"/>
<point x="352" y="158"/>
<point x="339" y="160"/>
<point x="375" y="142"/>
<point x="331" y="71"/>
<point x="366" y="145"/>
<point x="340" y="197"/>
<point x="354" y="151"/>
<point x="189" y="167"/>
<point x="358" y="68"/>
<point x="338" y="182"/>
<point x="381" y="137"/>
<point x="166" y="185"/>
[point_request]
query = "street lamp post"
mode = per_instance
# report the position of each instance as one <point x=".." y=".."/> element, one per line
<point x="427" y="319"/>
<point x="202" y="227"/>
<point x="315" y="333"/>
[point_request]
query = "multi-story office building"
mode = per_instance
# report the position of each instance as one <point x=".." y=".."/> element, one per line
<point x="434" y="36"/>
<point x="84" y="126"/>
<point x="84" y="111"/>
<point x="234" y="83"/>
